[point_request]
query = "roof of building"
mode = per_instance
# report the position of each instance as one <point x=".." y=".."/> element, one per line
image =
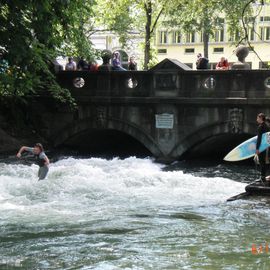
<point x="171" y="64"/>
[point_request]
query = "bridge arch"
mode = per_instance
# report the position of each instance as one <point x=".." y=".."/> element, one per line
<point x="211" y="134"/>
<point x="84" y="125"/>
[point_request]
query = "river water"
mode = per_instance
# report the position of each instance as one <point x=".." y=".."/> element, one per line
<point x="132" y="213"/>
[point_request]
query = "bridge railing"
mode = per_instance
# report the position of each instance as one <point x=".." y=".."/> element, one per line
<point x="125" y="83"/>
<point x="168" y="83"/>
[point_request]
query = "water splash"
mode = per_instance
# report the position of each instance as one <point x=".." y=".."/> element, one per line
<point x="79" y="185"/>
<point x="131" y="214"/>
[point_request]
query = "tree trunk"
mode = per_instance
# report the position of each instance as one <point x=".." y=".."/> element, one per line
<point x="205" y="44"/>
<point x="147" y="46"/>
<point x="206" y="29"/>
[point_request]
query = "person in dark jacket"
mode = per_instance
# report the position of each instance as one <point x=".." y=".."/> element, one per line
<point x="202" y="62"/>
<point x="132" y="65"/>
<point x="262" y="128"/>
<point x="106" y="59"/>
<point x="82" y="64"/>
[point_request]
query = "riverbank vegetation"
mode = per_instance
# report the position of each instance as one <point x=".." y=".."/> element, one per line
<point x="32" y="34"/>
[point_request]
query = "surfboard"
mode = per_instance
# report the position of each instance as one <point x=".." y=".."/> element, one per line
<point x="240" y="196"/>
<point x="247" y="149"/>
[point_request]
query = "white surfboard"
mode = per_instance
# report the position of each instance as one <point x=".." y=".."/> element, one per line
<point x="247" y="149"/>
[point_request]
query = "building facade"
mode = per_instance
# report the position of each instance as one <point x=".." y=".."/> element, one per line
<point x="185" y="46"/>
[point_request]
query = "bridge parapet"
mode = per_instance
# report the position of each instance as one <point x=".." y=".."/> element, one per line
<point x="168" y="109"/>
<point x="168" y="83"/>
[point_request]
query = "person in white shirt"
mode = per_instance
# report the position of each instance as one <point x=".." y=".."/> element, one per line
<point x="71" y="65"/>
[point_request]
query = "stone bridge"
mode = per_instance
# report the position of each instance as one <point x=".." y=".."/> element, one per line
<point x="171" y="111"/>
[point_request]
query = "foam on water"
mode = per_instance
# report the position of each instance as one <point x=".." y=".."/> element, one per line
<point x="78" y="189"/>
<point x="126" y="214"/>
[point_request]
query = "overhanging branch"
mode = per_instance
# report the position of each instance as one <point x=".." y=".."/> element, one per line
<point x="156" y="21"/>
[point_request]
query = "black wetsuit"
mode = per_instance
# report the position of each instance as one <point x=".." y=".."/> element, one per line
<point x="262" y="128"/>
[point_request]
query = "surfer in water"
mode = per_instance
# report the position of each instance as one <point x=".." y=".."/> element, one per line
<point x="41" y="159"/>
<point x="262" y="128"/>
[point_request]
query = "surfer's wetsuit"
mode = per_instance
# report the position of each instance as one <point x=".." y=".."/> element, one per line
<point x="262" y="156"/>
<point x="40" y="161"/>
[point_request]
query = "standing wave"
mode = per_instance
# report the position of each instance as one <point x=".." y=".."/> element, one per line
<point x="82" y="189"/>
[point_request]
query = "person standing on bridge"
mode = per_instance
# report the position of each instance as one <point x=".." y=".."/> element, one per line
<point x="202" y="62"/>
<point x="132" y="65"/>
<point x="41" y="159"/>
<point x="116" y="62"/>
<point x="71" y="65"/>
<point x="262" y="128"/>
<point x="82" y="64"/>
<point x="223" y="64"/>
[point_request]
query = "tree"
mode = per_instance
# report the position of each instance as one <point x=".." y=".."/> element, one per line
<point x="248" y="20"/>
<point x="125" y="17"/>
<point x="206" y="16"/>
<point x="32" y="34"/>
<point x="150" y="26"/>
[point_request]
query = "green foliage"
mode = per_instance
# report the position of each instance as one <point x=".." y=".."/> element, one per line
<point x="204" y="16"/>
<point x="153" y="60"/>
<point x="236" y="11"/>
<point x="32" y="34"/>
<point x="194" y="15"/>
<point x="126" y="17"/>
<point x="114" y="16"/>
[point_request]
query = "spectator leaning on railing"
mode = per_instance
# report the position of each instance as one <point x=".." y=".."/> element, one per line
<point x="223" y="64"/>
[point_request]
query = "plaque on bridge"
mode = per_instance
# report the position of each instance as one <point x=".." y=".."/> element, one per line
<point x="164" y="121"/>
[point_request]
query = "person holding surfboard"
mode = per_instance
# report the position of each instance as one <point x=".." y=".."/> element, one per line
<point x="41" y="159"/>
<point x="262" y="128"/>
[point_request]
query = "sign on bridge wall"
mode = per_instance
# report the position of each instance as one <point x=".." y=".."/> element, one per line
<point x="164" y="121"/>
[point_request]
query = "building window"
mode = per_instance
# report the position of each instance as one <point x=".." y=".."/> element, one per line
<point x="189" y="50"/>
<point x="220" y="21"/>
<point x="176" y="37"/>
<point x="235" y="36"/>
<point x="163" y="37"/>
<point x="219" y="35"/>
<point x="251" y="34"/>
<point x="218" y="50"/>
<point x="162" y="51"/>
<point x="219" y="32"/>
<point x="201" y="36"/>
<point x="262" y="33"/>
<point x="265" y="33"/>
<point x="265" y="19"/>
<point x="190" y="37"/>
